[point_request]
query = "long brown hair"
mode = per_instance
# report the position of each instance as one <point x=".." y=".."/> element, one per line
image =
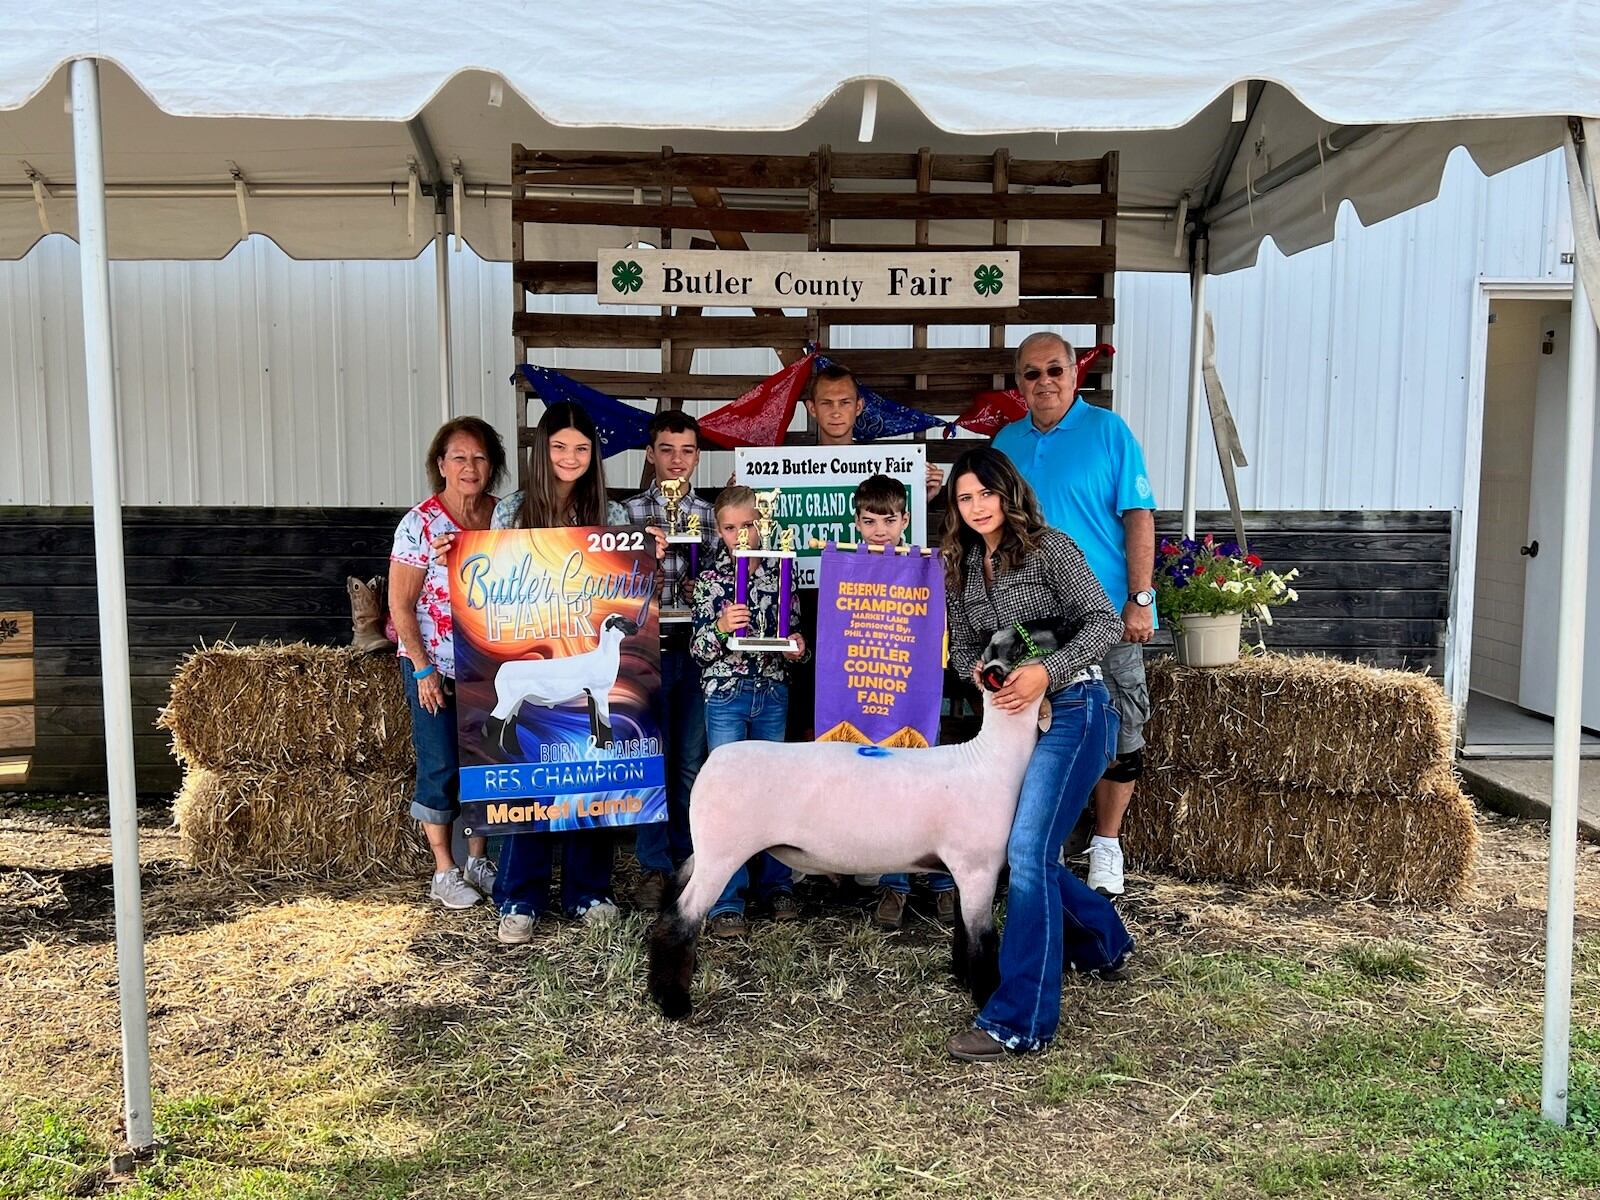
<point x="588" y="504"/>
<point x="1024" y="522"/>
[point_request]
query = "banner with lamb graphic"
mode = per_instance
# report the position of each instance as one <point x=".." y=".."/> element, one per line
<point x="558" y="666"/>
<point x="880" y="647"/>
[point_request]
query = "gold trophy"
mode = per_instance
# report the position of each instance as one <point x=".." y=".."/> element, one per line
<point x="766" y="506"/>
<point x="673" y="608"/>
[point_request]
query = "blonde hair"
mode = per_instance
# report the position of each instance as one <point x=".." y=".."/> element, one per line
<point x="734" y="496"/>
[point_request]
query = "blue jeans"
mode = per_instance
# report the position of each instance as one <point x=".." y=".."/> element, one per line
<point x="663" y="845"/>
<point x="1047" y="903"/>
<point x="522" y="877"/>
<point x="938" y="881"/>
<point x="436" y="800"/>
<point x="755" y="711"/>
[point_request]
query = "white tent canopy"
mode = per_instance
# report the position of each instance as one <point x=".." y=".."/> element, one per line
<point x="178" y="128"/>
<point x="320" y="108"/>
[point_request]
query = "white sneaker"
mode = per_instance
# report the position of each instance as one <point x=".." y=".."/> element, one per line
<point x="601" y="912"/>
<point x="452" y="891"/>
<point x="479" y="872"/>
<point x="515" y="929"/>
<point x="1105" y="869"/>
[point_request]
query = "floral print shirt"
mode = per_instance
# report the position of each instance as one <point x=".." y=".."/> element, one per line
<point x="413" y="546"/>
<point x="722" y="669"/>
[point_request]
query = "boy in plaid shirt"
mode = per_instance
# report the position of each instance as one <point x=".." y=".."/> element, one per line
<point x="674" y="453"/>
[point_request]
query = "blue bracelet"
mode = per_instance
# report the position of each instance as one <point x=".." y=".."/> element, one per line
<point x="419" y="676"/>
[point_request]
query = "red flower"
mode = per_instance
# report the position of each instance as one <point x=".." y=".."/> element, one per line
<point x="1206" y="541"/>
<point x="1222" y="579"/>
<point x="1252" y="560"/>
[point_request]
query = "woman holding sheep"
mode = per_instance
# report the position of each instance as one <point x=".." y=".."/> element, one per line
<point x="1005" y="566"/>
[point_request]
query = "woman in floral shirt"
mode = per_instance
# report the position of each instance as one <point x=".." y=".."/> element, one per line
<point x="747" y="694"/>
<point x="464" y="461"/>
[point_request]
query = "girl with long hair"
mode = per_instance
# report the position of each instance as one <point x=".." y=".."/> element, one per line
<point x="566" y="486"/>
<point x="1004" y="566"/>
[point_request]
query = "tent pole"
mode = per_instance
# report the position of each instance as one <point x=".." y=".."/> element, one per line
<point x="99" y="383"/>
<point x="1570" y="615"/>
<point x="1191" y="433"/>
<point x="441" y="268"/>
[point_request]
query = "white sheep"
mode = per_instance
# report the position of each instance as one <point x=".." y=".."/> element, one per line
<point x="554" y="681"/>
<point x="851" y="809"/>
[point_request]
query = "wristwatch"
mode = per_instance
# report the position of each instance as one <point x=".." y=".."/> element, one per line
<point x="1143" y="599"/>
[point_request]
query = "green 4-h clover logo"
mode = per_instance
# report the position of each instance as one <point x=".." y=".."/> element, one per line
<point x="986" y="280"/>
<point x="627" y="276"/>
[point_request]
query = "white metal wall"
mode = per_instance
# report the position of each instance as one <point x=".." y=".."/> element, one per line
<point x="260" y="380"/>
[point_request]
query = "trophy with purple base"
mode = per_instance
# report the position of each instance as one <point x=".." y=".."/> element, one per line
<point x="744" y="556"/>
<point x="673" y="608"/>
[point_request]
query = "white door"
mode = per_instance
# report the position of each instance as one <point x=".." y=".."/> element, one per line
<point x="1537" y="691"/>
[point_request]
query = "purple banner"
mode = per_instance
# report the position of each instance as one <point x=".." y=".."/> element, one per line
<point x="880" y="647"/>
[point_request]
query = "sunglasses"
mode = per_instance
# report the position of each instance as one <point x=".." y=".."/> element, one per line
<point x="1054" y="370"/>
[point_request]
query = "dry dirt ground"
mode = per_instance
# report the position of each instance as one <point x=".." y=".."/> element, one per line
<point x="314" y="1040"/>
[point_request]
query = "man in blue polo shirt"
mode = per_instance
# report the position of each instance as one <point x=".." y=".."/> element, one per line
<point x="1089" y="473"/>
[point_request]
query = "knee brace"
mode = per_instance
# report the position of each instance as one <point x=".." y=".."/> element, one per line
<point x="1125" y="768"/>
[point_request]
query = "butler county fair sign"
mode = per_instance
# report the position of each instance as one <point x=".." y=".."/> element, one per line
<point x="758" y="279"/>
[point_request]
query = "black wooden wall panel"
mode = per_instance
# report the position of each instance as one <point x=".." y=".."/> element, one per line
<point x="1373" y="585"/>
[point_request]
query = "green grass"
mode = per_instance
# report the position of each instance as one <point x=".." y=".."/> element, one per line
<point x="1356" y="1053"/>
<point x="45" y="1152"/>
<point x="1430" y="1108"/>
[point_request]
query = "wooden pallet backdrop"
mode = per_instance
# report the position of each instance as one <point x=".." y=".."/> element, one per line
<point x="822" y="201"/>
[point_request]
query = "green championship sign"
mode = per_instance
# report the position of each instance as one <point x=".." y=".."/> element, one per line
<point x="829" y="279"/>
<point x="817" y="487"/>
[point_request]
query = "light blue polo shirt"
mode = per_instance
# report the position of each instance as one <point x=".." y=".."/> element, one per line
<point x="1087" y="471"/>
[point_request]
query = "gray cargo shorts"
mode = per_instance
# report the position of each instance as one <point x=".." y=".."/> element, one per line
<point x="1123" y="670"/>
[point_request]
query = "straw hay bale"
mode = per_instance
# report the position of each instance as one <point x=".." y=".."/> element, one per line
<point x="314" y="821"/>
<point x="1305" y="721"/>
<point x="287" y="706"/>
<point x="1417" y="847"/>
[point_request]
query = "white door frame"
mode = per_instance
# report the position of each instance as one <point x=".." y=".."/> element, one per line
<point x="1464" y="574"/>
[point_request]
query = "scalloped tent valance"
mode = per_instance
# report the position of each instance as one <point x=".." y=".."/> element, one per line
<point x="321" y="109"/>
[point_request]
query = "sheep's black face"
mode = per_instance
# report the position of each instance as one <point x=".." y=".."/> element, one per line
<point x="1017" y="644"/>
<point x="628" y="626"/>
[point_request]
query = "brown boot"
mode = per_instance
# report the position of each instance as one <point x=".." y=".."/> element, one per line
<point x="891" y="911"/>
<point x="366" y="614"/>
<point x="785" y="907"/>
<point x="650" y="891"/>
<point x="944" y="907"/>
<point x="729" y="926"/>
<point x="975" y="1045"/>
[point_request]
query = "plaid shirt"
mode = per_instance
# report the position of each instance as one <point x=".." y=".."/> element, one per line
<point x="1054" y="582"/>
<point x="674" y="587"/>
<point x="722" y="669"/>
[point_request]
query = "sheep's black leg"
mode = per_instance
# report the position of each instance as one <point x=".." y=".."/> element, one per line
<point x="959" y="965"/>
<point x="977" y="946"/>
<point x="509" y="745"/>
<point x="984" y="972"/>
<point x="673" y="955"/>
<point x="501" y="735"/>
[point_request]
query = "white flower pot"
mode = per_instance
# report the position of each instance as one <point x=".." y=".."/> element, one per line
<point x="1208" y="641"/>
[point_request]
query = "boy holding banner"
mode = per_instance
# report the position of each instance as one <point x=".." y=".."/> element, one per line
<point x="746" y="692"/>
<point x="882" y="515"/>
<point x="880" y="653"/>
